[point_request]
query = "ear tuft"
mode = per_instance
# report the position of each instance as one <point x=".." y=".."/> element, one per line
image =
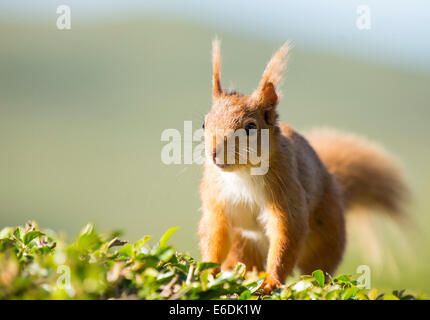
<point x="216" y="68"/>
<point x="272" y="75"/>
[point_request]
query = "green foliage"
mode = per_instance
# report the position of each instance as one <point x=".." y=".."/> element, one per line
<point x="40" y="265"/>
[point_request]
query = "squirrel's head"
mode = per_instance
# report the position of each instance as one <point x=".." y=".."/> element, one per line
<point x="234" y="127"/>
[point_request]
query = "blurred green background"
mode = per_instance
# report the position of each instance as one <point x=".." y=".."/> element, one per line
<point x="82" y="112"/>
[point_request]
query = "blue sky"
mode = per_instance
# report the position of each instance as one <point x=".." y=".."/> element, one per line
<point x="399" y="33"/>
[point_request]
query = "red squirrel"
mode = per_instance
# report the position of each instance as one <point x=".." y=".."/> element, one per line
<point x="294" y="214"/>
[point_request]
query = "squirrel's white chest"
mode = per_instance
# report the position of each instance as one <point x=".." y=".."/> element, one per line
<point x="245" y="207"/>
<point x="245" y="199"/>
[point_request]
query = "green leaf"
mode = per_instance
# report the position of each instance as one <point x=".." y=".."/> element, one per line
<point x="342" y="278"/>
<point x="30" y="236"/>
<point x="240" y="270"/>
<point x="254" y="286"/>
<point x="319" y="276"/>
<point x="361" y="296"/>
<point x="399" y="293"/>
<point x="166" y="236"/>
<point x="224" y="277"/>
<point x="204" y="279"/>
<point x="126" y="250"/>
<point x="151" y="272"/>
<point x="88" y="239"/>
<point x="165" y="275"/>
<point x="201" y="266"/>
<point x="390" y="297"/>
<point x="349" y="293"/>
<point x="166" y="255"/>
<point x="331" y="295"/>
<point x="245" y="295"/>
<point x="18" y="233"/>
<point x="373" y="294"/>
<point x="88" y="229"/>
<point x="139" y="244"/>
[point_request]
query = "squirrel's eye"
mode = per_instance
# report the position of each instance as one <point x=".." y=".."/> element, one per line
<point x="250" y="126"/>
<point x="203" y="124"/>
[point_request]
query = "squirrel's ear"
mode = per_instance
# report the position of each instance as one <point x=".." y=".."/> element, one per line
<point x="266" y="90"/>
<point x="269" y="97"/>
<point x="216" y="69"/>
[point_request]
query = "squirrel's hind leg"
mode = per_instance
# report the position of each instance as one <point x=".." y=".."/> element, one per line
<point x="325" y="244"/>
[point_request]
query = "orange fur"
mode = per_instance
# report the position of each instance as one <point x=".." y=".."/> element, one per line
<point x="368" y="175"/>
<point x="294" y="214"/>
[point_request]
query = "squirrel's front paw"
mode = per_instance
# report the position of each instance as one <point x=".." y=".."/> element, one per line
<point x="270" y="284"/>
<point x="215" y="271"/>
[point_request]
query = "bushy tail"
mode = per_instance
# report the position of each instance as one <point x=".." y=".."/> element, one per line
<point x="369" y="177"/>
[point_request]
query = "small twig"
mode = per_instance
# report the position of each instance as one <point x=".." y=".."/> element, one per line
<point x="167" y="290"/>
<point x="115" y="242"/>
<point x="179" y="294"/>
<point x="190" y="275"/>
